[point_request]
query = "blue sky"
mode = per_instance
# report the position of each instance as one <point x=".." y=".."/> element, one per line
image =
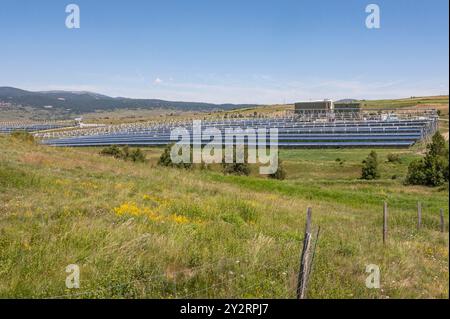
<point x="239" y="51"/>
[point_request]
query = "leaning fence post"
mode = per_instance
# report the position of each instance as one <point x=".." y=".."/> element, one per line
<point x="442" y="220"/>
<point x="385" y="218"/>
<point x="304" y="259"/>
<point x="419" y="215"/>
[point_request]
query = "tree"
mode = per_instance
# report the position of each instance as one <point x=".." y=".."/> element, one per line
<point x="370" y="167"/>
<point x="437" y="146"/>
<point x="416" y="173"/>
<point x="432" y="170"/>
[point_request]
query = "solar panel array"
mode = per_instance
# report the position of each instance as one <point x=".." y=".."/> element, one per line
<point x="292" y="132"/>
<point x="11" y="126"/>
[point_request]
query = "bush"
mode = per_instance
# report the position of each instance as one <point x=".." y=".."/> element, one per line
<point x="124" y="153"/>
<point x="394" y="158"/>
<point x="370" y="167"/>
<point x="416" y="173"/>
<point x="280" y="173"/>
<point x="236" y="168"/>
<point x="112" y="151"/>
<point x="166" y="160"/>
<point x="137" y="156"/>
<point x="432" y="170"/>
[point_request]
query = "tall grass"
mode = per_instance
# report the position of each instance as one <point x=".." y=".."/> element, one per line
<point x="137" y="230"/>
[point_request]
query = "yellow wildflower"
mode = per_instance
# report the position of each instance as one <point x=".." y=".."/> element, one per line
<point x="127" y="209"/>
<point x="178" y="219"/>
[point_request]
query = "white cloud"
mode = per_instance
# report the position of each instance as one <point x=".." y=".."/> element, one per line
<point x="158" y="81"/>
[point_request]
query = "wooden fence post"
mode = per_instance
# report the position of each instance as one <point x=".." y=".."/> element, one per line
<point x="304" y="259"/>
<point x="442" y="220"/>
<point x="385" y="219"/>
<point x="419" y="215"/>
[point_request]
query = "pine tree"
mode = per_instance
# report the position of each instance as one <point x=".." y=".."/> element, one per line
<point x="432" y="170"/>
<point x="370" y="167"/>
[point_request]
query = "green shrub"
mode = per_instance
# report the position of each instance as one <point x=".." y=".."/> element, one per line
<point x="112" y="150"/>
<point x="125" y="152"/>
<point x="166" y="160"/>
<point x="394" y="158"/>
<point x="432" y="170"/>
<point x="236" y="168"/>
<point x="416" y="173"/>
<point x="280" y="173"/>
<point x="370" y="168"/>
<point x="135" y="155"/>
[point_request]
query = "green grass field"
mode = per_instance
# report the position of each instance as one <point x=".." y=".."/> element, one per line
<point x="142" y="231"/>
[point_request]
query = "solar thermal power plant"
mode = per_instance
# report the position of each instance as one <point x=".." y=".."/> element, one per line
<point x="372" y="128"/>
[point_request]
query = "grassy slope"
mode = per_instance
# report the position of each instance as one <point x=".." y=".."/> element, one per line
<point x="238" y="237"/>
<point x="426" y="101"/>
<point x="437" y="102"/>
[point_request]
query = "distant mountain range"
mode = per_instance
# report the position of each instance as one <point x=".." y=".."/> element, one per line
<point x="78" y="102"/>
